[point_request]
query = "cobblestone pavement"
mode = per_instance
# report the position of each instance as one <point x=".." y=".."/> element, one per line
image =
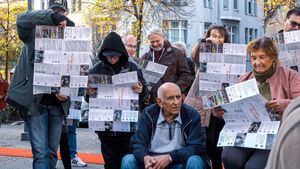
<point x="10" y="137"/>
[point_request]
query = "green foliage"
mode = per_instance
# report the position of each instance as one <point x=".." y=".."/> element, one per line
<point x="9" y="41"/>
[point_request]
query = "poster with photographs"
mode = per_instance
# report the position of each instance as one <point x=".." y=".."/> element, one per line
<point x="61" y="60"/>
<point x="288" y="44"/>
<point x="76" y="108"/>
<point x="114" y="106"/>
<point x="248" y="122"/>
<point x="220" y="66"/>
<point x="152" y="71"/>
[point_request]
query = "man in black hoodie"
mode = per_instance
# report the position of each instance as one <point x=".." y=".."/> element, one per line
<point x="114" y="60"/>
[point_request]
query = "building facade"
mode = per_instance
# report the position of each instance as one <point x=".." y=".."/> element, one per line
<point x="243" y="18"/>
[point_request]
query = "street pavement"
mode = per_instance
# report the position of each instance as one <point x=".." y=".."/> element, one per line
<point x="10" y="137"/>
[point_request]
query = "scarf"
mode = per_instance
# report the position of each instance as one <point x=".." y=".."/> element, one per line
<point x="264" y="88"/>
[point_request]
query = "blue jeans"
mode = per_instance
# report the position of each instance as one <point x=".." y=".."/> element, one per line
<point x="45" y="131"/>
<point x="72" y="140"/>
<point x="193" y="162"/>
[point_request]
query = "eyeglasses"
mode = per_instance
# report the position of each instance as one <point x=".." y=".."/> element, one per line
<point x="131" y="46"/>
<point x="112" y="57"/>
<point x="294" y="24"/>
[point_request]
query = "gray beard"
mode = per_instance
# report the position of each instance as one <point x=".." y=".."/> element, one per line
<point x="158" y="49"/>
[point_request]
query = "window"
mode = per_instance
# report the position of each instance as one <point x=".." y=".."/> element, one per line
<point x="43" y="4"/>
<point x="225" y="4"/>
<point x="233" y="33"/>
<point x="176" y="30"/>
<point x="250" y="7"/>
<point x="207" y="3"/>
<point x="206" y="26"/>
<point x="76" y="5"/>
<point x="250" y="34"/>
<point x="235" y="4"/>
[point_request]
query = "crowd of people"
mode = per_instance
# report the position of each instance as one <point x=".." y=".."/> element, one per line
<point x="169" y="134"/>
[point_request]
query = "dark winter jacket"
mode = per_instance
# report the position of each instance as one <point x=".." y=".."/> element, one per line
<point x="114" y="42"/>
<point x="193" y="133"/>
<point x="178" y="70"/>
<point x="20" y="92"/>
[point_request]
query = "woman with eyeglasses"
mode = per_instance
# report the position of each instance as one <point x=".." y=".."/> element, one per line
<point x="278" y="84"/>
<point x="114" y="60"/>
<point x="216" y="34"/>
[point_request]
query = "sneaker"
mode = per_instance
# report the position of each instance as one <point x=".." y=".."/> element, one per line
<point x="77" y="162"/>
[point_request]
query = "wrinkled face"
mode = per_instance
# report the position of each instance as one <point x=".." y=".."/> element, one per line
<point x="112" y="59"/>
<point x="292" y="24"/>
<point x="170" y="101"/>
<point x="218" y="36"/>
<point x="131" y="46"/>
<point x="156" y="41"/>
<point x="260" y="61"/>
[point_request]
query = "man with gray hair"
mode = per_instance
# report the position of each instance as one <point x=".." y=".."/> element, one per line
<point x="169" y="135"/>
<point x="162" y="52"/>
<point x="130" y="43"/>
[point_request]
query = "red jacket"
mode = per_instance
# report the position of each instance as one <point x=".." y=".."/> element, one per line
<point x="3" y="92"/>
<point x="284" y="85"/>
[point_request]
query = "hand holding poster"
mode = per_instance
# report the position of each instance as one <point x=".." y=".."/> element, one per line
<point x="288" y="44"/>
<point x="220" y="66"/>
<point x="61" y="60"/>
<point x="248" y="122"/>
<point x="152" y="71"/>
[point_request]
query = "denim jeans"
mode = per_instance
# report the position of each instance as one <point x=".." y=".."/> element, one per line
<point x="193" y="162"/>
<point x="72" y="140"/>
<point x="45" y="131"/>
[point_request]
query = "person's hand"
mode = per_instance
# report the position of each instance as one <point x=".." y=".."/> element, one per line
<point x="149" y="162"/>
<point x="91" y="91"/>
<point x="137" y="87"/>
<point x="59" y="19"/>
<point x="61" y="97"/>
<point x="218" y="112"/>
<point x="162" y="161"/>
<point x="62" y="24"/>
<point x="212" y="40"/>
<point x="274" y="105"/>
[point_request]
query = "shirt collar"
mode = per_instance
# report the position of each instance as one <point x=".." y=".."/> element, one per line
<point x="161" y="118"/>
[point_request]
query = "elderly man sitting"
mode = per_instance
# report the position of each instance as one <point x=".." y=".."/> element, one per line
<point x="169" y="135"/>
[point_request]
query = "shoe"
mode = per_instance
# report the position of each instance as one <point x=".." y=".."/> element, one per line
<point x="77" y="162"/>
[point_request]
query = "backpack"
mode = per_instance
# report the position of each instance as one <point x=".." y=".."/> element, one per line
<point x="285" y="153"/>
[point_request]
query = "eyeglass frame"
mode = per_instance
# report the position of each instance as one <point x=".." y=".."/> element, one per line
<point x="294" y="24"/>
<point x="131" y="46"/>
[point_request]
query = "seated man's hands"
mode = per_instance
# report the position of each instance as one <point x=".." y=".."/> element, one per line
<point x="149" y="162"/>
<point x="137" y="87"/>
<point x="157" y="162"/>
<point x="162" y="161"/>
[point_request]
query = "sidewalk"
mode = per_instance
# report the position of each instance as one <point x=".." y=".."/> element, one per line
<point x="15" y="153"/>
